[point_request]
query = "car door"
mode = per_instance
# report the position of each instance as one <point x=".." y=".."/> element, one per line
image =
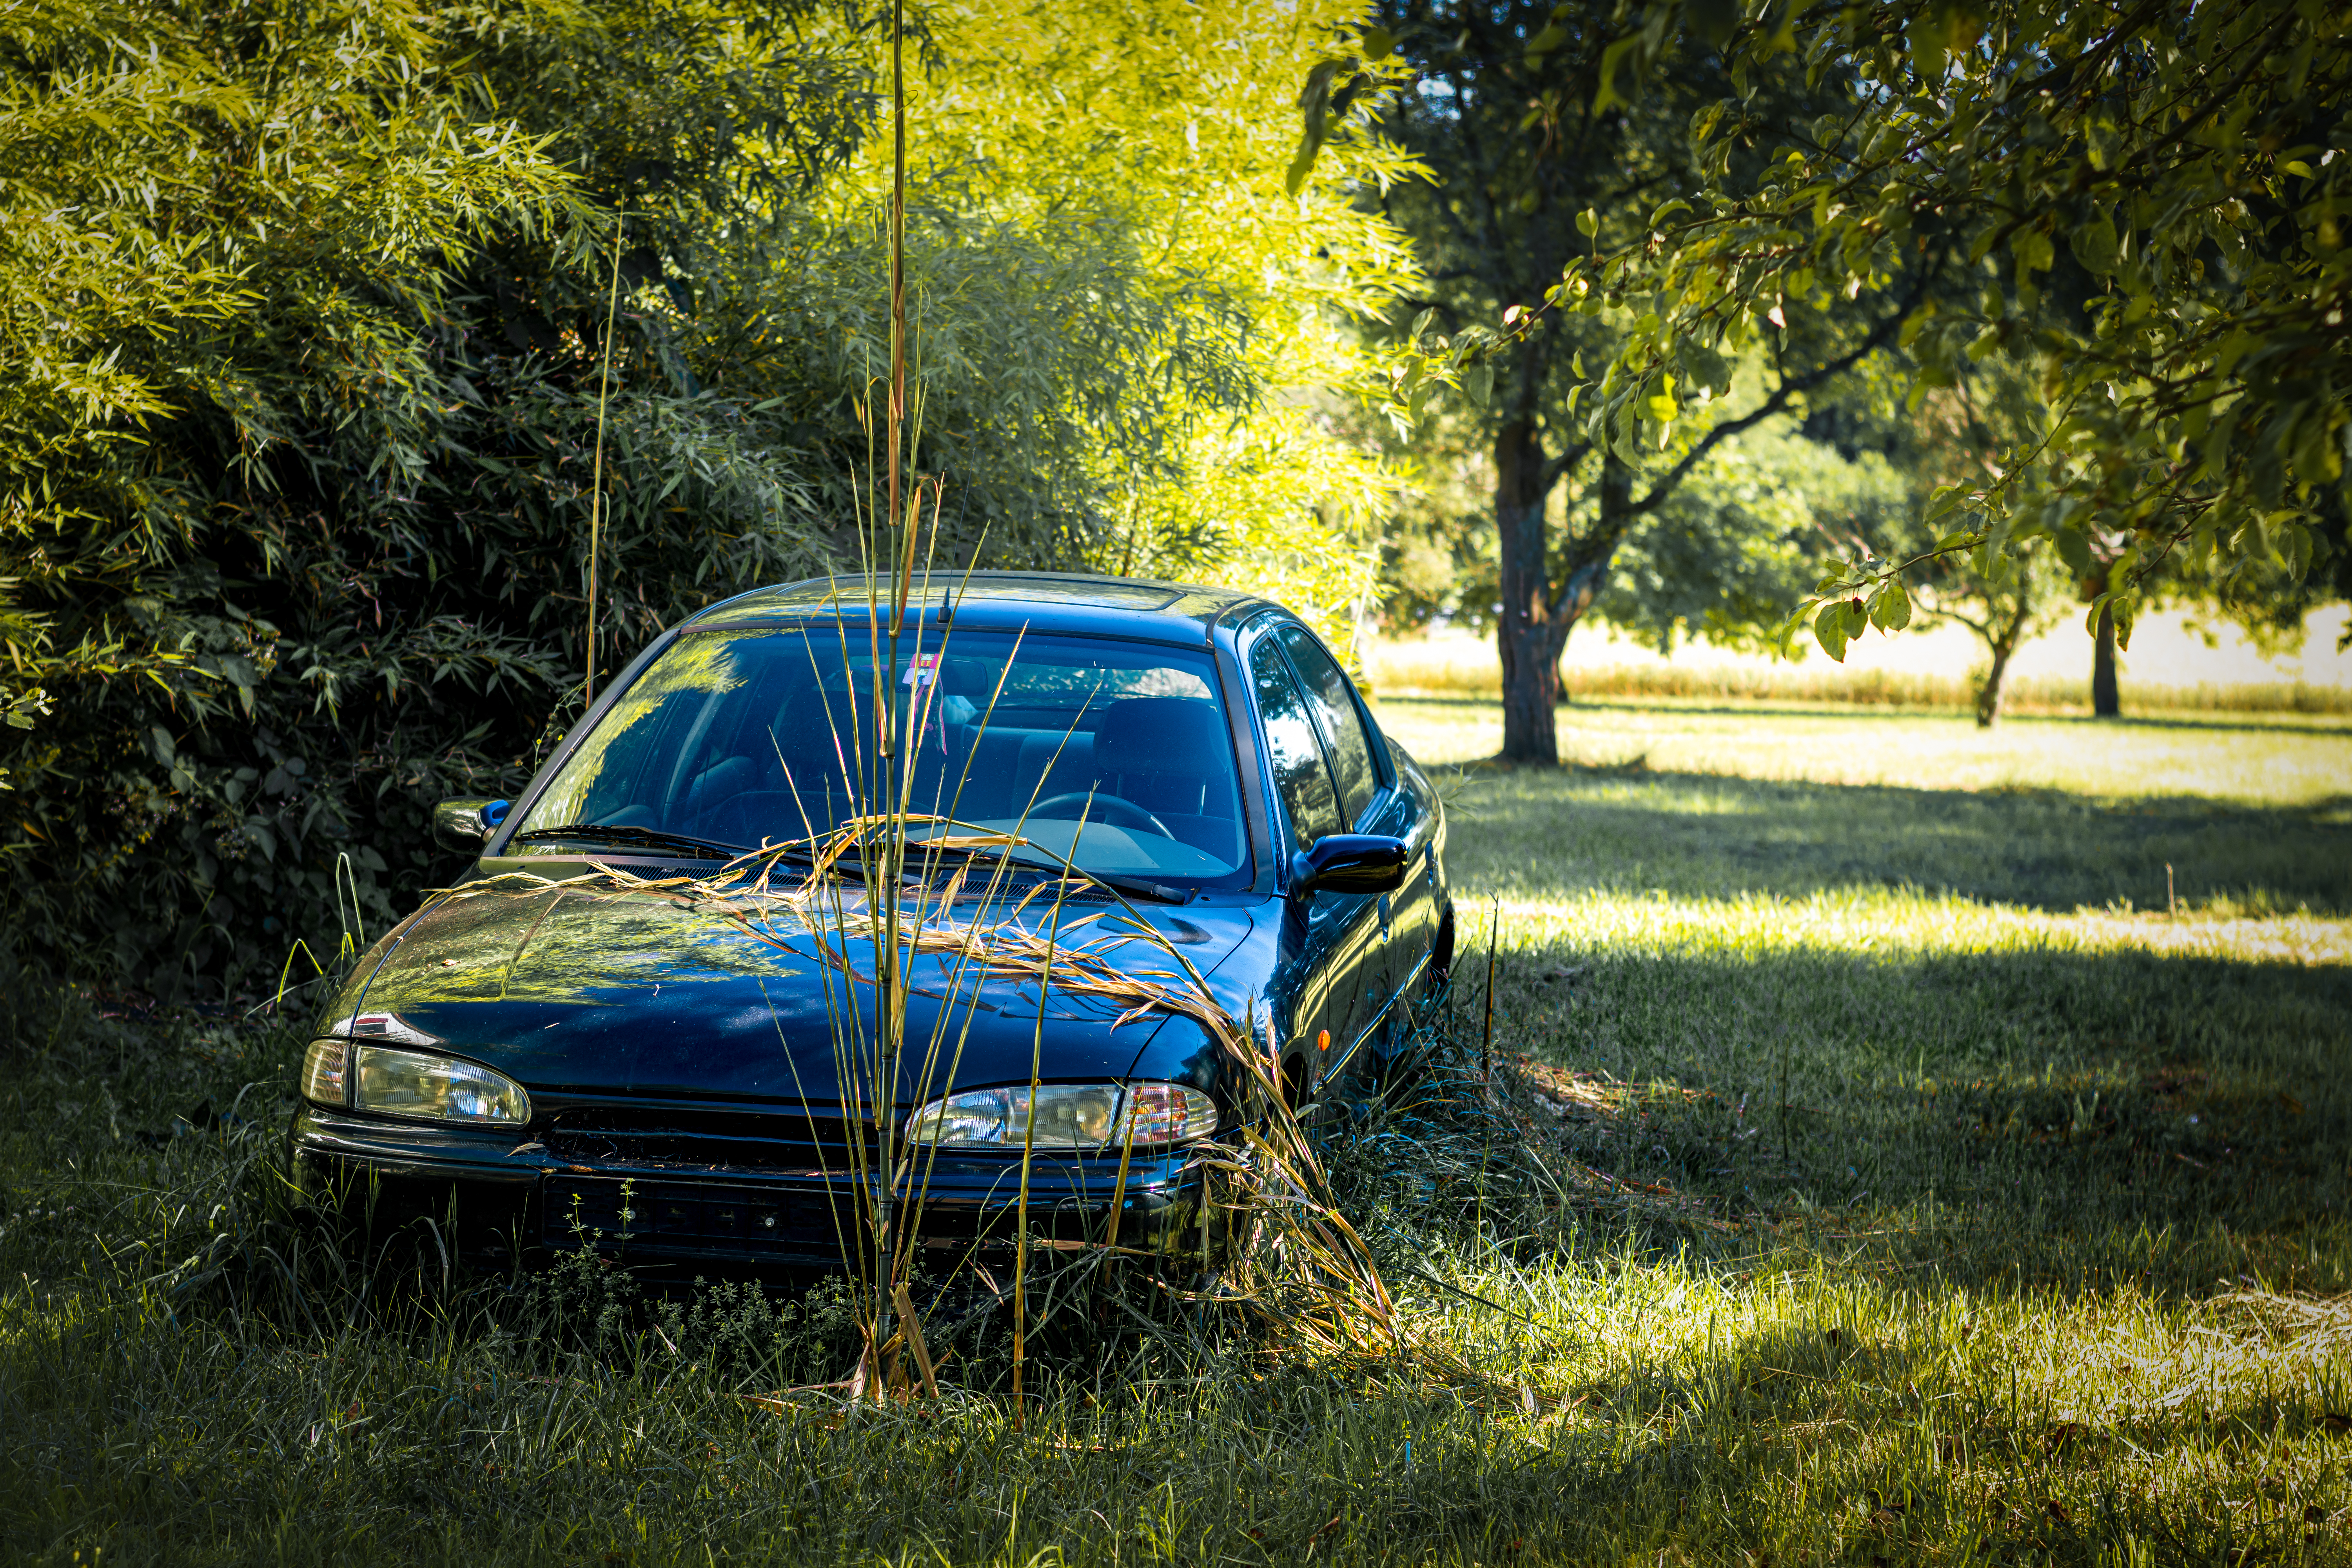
<point x="1404" y="807"/>
<point x="1306" y="808"/>
<point x="1361" y="982"/>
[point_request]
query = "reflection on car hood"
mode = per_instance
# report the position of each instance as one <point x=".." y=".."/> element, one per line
<point x="600" y="992"/>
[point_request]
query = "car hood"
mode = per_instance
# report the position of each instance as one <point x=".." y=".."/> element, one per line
<point x="598" y="991"/>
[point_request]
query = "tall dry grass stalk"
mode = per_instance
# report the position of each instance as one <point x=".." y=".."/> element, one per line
<point x="596" y="470"/>
<point x="1277" y="1249"/>
<point x="1274" y="1243"/>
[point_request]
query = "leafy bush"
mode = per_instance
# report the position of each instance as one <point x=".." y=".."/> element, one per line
<point x="304" y="346"/>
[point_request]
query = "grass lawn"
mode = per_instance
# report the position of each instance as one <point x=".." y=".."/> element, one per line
<point x="1909" y="1187"/>
<point x="2266" y="759"/>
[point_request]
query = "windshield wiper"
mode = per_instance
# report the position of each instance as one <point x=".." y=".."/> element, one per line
<point x="638" y="837"/>
<point x="1134" y="888"/>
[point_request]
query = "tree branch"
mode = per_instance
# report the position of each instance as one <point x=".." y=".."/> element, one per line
<point x="1981" y="625"/>
<point x="1445" y="308"/>
<point x="1776" y="403"/>
<point x="1555" y="468"/>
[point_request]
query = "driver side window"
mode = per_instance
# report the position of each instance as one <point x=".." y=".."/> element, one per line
<point x="1300" y="775"/>
<point x="1351" y="751"/>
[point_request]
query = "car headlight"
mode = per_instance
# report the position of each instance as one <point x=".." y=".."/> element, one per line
<point x="1068" y="1116"/>
<point x="413" y="1083"/>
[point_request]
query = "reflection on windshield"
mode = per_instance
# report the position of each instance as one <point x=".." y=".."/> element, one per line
<point x="750" y="737"/>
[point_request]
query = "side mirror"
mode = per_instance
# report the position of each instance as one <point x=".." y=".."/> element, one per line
<point x="464" y="825"/>
<point x="1349" y="863"/>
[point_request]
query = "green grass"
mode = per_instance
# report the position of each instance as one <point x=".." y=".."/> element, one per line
<point x="1930" y="1196"/>
<point x="2270" y="759"/>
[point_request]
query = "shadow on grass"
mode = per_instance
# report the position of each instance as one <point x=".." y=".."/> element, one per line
<point x="1828" y="1442"/>
<point x="1557" y="834"/>
<point x="2031" y="1115"/>
<point x="2248" y="724"/>
<point x="1874" y="1074"/>
<point x="1904" y="1147"/>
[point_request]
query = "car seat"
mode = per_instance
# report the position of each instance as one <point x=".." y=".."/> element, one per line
<point x="1172" y="756"/>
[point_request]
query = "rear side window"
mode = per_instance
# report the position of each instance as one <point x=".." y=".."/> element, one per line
<point x="1301" y="776"/>
<point x="1352" y="749"/>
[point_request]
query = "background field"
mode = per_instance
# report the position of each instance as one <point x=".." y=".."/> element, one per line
<point x="1915" y="1188"/>
<point x="2175" y="664"/>
<point x="2206" y="762"/>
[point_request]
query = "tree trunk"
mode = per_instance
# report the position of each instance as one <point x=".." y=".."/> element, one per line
<point x="2002" y="641"/>
<point x="2105" y="701"/>
<point x="1534" y="625"/>
<point x="1988" y="694"/>
<point x="1524" y="632"/>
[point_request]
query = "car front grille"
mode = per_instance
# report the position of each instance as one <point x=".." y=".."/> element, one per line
<point x="815" y="1145"/>
<point x="656" y="1179"/>
<point x="774" y="1185"/>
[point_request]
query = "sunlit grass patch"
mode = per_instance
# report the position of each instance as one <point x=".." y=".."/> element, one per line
<point x="2261" y="761"/>
<point x="1758" y="1390"/>
<point x="1661" y="1407"/>
<point x="1460" y="667"/>
<point x="1865" y="920"/>
<point x="1826" y="1416"/>
<point x="1995" y="1091"/>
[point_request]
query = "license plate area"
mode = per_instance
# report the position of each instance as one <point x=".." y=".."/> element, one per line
<point x="614" y="1213"/>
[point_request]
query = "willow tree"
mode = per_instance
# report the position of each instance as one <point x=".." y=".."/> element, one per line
<point x="1128" y="330"/>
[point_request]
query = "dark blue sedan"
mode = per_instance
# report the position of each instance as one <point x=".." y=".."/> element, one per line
<point x="552" y="1052"/>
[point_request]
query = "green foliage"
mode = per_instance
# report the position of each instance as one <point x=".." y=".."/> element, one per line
<point x="226" y="293"/>
<point x="2143" y="203"/>
<point x="1538" y="164"/>
<point x="1951" y="435"/>
<point x="1721" y="558"/>
<point x="1108" y="264"/>
<point x="299" y="337"/>
<point x="1524" y="173"/>
<point x="1739" y="542"/>
<point x="302" y="335"/>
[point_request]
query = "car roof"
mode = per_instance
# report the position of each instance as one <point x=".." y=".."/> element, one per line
<point x="1042" y="601"/>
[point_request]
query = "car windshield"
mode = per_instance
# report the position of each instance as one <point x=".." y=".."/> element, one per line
<point x="745" y="737"/>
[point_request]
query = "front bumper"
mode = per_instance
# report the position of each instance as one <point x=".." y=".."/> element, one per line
<point x="502" y="1194"/>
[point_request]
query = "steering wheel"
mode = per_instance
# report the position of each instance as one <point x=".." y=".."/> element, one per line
<point x="1110" y="808"/>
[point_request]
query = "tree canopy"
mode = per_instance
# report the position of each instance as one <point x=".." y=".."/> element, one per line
<point x="1109" y="183"/>
<point x="2145" y="202"/>
<point x="1531" y="175"/>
